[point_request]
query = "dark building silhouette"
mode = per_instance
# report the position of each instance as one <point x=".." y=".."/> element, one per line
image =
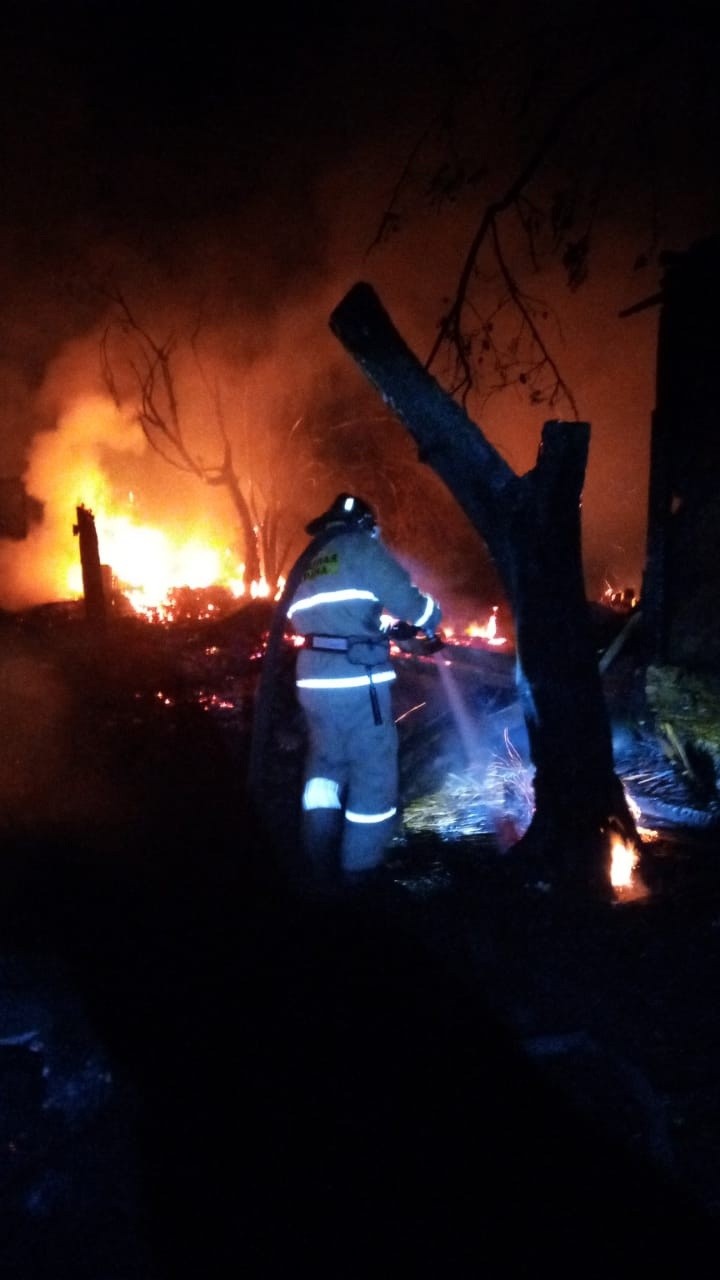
<point x="681" y="585"/>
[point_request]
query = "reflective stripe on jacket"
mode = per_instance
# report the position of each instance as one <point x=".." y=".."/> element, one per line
<point x="346" y="587"/>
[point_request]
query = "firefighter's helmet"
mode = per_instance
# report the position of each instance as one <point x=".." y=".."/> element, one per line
<point x="346" y="509"/>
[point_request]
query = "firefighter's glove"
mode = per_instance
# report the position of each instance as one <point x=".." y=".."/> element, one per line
<point x="414" y="640"/>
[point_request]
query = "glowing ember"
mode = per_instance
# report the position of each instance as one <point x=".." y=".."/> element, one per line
<point x="623" y="600"/>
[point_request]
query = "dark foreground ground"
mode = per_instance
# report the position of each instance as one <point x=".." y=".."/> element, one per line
<point x="461" y="1073"/>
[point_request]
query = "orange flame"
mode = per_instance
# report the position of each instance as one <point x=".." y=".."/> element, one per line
<point x="147" y="564"/>
<point x="623" y="861"/>
<point x="68" y="468"/>
<point x="624" y="600"/>
<point x="488" y="630"/>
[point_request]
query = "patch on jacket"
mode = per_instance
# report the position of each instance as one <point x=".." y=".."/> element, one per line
<point x="327" y="563"/>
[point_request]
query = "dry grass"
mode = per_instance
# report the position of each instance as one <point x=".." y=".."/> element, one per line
<point x="478" y="797"/>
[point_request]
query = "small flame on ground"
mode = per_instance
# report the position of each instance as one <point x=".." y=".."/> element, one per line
<point x="487" y="631"/>
<point x="625" y="878"/>
<point x="624" y="860"/>
<point x="624" y="600"/>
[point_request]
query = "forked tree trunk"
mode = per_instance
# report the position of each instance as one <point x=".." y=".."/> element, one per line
<point x="532" y="528"/>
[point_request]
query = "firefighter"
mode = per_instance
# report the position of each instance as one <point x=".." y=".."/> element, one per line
<point x="344" y="678"/>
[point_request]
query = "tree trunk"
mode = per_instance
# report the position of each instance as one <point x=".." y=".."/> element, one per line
<point x="531" y="526"/>
<point x="250" y="538"/>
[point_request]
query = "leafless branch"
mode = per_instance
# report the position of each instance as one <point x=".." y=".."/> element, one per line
<point x="560" y="387"/>
<point x="451" y="330"/>
<point x="390" y="219"/>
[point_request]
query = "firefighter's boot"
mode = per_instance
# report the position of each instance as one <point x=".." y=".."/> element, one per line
<point x="369" y="883"/>
<point x="364" y="843"/>
<point x="322" y="834"/>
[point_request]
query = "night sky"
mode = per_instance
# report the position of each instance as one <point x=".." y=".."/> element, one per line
<point x="231" y="169"/>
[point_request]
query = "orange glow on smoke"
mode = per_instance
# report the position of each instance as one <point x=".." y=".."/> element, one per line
<point x="145" y="553"/>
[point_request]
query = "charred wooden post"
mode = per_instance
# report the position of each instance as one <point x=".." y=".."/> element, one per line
<point x="532" y="529"/>
<point x="92" y="570"/>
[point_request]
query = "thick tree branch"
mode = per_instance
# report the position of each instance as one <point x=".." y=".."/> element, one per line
<point x="480" y="485"/>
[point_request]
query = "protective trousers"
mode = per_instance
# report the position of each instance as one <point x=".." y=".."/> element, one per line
<point x="351" y="778"/>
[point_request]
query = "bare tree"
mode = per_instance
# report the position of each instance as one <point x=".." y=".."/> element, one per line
<point x="159" y="414"/>
<point x="319" y="454"/>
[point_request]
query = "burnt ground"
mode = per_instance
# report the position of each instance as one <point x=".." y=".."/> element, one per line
<point x="200" y="1070"/>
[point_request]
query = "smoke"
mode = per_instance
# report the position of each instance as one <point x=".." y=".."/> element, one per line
<point x="67" y="466"/>
<point x="232" y="195"/>
<point x="268" y="369"/>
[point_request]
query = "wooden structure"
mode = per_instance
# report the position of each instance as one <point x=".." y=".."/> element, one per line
<point x="681" y="583"/>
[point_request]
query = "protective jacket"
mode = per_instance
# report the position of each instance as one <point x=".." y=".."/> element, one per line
<point x="345" y="590"/>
